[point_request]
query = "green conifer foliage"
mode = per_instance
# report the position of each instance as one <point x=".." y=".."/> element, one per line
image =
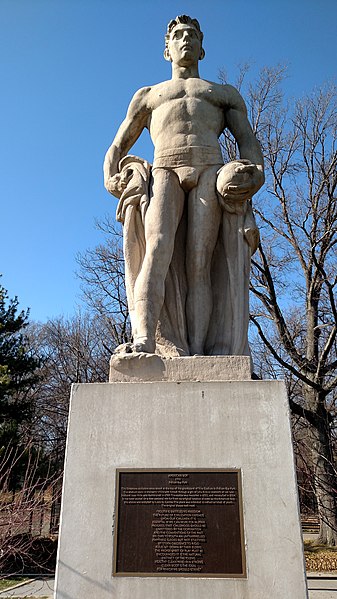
<point x="18" y="368"/>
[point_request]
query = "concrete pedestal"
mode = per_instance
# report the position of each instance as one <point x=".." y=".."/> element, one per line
<point x="233" y="424"/>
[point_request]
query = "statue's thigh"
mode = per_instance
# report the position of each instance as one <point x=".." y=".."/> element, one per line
<point x="204" y="214"/>
<point x="166" y="205"/>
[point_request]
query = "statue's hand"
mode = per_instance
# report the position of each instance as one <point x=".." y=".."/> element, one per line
<point x="247" y="180"/>
<point x="118" y="182"/>
<point x="113" y="185"/>
<point x="237" y="182"/>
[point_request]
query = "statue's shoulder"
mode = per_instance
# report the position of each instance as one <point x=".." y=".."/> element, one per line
<point x="232" y="96"/>
<point x="140" y="103"/>
<point x="142" y="93"/>
<point x="226" y="94"/>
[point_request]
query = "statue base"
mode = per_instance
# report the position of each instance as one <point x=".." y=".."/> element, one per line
<point x="116" y="537"/>
<point x="132" y="367"/>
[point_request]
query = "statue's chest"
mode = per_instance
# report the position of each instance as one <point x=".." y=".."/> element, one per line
<point x="188" y="98"/>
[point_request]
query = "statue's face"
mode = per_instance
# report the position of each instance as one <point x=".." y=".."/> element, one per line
<point x="184" y="45"/>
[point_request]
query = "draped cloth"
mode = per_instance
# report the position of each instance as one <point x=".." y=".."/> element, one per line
<point x="237" y="239"/>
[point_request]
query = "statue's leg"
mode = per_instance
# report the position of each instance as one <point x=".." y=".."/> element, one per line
<point x="161" y="222"/>
<point x="204" y="215"/>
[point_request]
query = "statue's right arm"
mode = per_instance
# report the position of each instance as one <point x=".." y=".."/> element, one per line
<point x="127" y="134"/>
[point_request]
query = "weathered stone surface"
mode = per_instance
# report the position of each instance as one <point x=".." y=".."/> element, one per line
<point x="189" y="229"/>
<point x="150" y="367"/>
<point x="162" y="425"/>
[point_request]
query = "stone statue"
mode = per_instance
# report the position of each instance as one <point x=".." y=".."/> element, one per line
<point x="189" y="229"/>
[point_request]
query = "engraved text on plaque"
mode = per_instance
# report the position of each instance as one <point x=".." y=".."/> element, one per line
<point x="179" y="522"/>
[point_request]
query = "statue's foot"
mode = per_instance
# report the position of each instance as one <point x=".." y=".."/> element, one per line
<point x="124" y="348"/>
<point x="144" y="344"/>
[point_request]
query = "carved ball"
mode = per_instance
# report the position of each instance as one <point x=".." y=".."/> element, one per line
<point x="227" y="176"/>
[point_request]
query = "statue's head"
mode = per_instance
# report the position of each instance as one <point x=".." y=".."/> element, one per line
<point x="176" y="27"/>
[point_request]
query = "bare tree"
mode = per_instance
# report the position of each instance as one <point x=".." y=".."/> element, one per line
<point x="294" y="271"/>
<point x="101" y="271"/>
<point x="73" y="350"/>
<point x="28" y="514"/>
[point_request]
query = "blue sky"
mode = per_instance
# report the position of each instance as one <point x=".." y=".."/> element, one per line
<point x="68" y="69"/>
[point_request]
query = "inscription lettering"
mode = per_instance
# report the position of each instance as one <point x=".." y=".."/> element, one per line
<point x="179" y="497"/>
<point x="178" y="536"/>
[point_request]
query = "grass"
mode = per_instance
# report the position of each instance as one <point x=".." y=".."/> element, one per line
<point x="319" y="558"/>
<point x="6" y="583"/>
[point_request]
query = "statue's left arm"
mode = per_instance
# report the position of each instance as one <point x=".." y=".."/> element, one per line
<point x="249" y="147"/>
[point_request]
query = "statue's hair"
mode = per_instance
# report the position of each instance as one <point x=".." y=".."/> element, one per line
<point x="183" y="20"/>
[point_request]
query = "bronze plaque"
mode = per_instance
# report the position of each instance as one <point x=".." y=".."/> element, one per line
<point x="179" y="523"/>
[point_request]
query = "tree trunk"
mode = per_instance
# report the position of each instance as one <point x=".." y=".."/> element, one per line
<point x="325" y="487"/>
<point x="324" y="474"/>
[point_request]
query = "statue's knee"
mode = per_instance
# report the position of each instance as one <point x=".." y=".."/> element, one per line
<point x="159" y="250"/>
<point x="199" y="267"/>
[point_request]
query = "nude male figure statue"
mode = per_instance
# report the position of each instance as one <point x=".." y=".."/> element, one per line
<point x="185" y="117"/>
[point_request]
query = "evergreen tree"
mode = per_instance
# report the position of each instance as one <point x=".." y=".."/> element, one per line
<point x="18" y="368"/>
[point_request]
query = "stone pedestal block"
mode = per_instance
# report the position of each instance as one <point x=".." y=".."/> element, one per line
<point x="240" y="425"/>
<point x="131" y="368"/>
